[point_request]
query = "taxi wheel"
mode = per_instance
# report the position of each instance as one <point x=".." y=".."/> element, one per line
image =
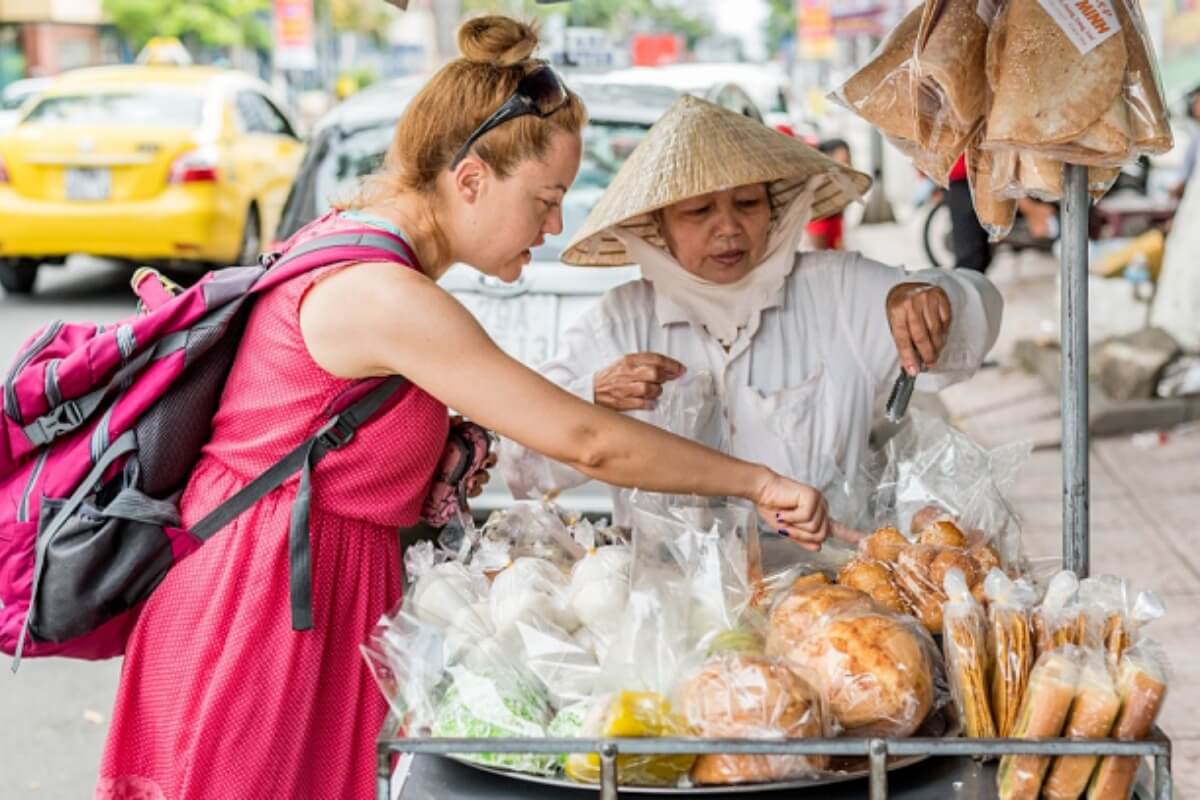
<point x="251" y="246"/>
<point x="17" y="276"/>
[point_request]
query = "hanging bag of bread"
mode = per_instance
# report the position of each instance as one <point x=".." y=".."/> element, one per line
<point x="1142" y="685"/>
<point x="1010" y="641"/>
<point x="964" y="642"/>
<point x="1044" y="712"/>
<point x="1092" y="716"/>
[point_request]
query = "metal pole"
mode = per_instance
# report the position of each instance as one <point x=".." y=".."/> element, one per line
<point x="1074" y="335"/>
<point x="878" y="789"/>
<point x="608" y="772"/>
<point x="1162" y="778"/>
<point x="383" y="772"/>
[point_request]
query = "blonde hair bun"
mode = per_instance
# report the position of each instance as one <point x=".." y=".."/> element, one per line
<point x="498" y="40"/>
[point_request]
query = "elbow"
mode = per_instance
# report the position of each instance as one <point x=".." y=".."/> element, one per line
<point x="590" y="453"/>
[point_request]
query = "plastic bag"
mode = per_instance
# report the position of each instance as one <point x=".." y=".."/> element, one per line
<point x="531" y="587"/>
<point x="564" y="665"/>
<point x="1092" y="717"/>
<point x="539" y="529"/>
<point x="1142" y="684"/>
<point x="880" y="673"/>
<point x="964" y="642"/>
<point x="438" y="588"/>
<point x="1044" y="711"/>
<point x="633" y="714"/>
<point x="687" y="407"/>
<point x="877" y="579"/>
<point x="931" y="463"/>
<point x="598" y="592"/>
<point x="692" y="576"/>
<point x="406" y="659"/>
<point x="951" y="89"/>
<point x="483" y="707"/>
<point x="1010" y="641"/>
<point x="742" y="696"/>
<point x="1115" y="614"/>
<point x="1059" y="619"/>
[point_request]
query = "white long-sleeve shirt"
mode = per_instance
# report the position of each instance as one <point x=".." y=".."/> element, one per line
<point x="797" y="389"/>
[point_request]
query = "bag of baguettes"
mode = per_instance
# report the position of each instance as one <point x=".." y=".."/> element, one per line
<point x="964" y="643"/>
<point x="1010" y="642"/>
<point x="1044" y="712"/>
<point x="1093" y="713"/>
<point x="1142" y="686"/>
<point x="1115" y="614"/>
<point x="1059" y="619"/>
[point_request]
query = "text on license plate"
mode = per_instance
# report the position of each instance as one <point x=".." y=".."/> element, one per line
<point x="89" y="183"/>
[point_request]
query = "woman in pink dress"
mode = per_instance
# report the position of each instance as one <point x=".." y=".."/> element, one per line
<point x="219" y="696"/>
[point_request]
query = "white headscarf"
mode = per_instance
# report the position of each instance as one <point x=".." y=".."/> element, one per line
<point x="721" y="308"/>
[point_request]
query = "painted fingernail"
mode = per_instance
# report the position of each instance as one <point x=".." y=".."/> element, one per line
<point x="782" y="532"/>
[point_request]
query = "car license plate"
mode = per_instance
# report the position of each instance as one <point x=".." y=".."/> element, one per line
<point x="89" y="183"/>
<point x="523" y="327"/>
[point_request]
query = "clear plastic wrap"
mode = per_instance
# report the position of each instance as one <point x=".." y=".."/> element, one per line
<point x="1044" y="711"/>
<point x="806" y="606"/>
<point x="877" y="579"/>
<point x="632" y="714"/>
<point x="486" y="707"/>
<point x="930" y="463"/>
<point x="880" y="673"/>
<point x="742" y="696"/>
<point x="538" y="529"/>
<point x="439" y="588"/>
<point x="1092" y="717"/>
<point x="1142" y="684"/>
<point x="598" y="592"/>
<point x="964" y="642"/>
<point x="951" y="88"/>
<point x="1010" y="642"/>
<point x="531" y="587"/>
<point x="687" y="407"/>
<point x="1116" y="614"/>
<point x="1059" y="619"/>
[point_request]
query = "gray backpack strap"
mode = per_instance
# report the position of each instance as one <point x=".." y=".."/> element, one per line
<point x="336" y="433"/>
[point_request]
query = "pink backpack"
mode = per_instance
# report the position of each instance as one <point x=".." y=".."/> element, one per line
<point x="99" y="431"/>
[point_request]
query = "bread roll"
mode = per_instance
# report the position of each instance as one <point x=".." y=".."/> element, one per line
<point x="929" y="515"/>
<point x="914" y="577"/>
<point x="953" y="559"/>
<point x="884" y="544"/>
<point x="805" y="610"/>
<point x="985" y="557"/>
<point x="942" y="533"/>
<point x="1043" y="714"/>
<point x="874" y="670"/>
<point x="875" y="579"/>
<point x="748" y="697"/>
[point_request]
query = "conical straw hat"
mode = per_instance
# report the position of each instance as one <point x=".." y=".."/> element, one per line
<point x="697" y="148"/>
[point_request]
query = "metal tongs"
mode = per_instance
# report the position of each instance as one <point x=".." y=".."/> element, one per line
<point x="897" y="403"/>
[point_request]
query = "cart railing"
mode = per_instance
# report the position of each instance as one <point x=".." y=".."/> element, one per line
<point x="875" y="750"/>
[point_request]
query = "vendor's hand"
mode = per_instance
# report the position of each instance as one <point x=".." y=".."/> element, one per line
<point x="635" y="382"/>
<point x="920" y="316"/>
<point x="795" y="510"/>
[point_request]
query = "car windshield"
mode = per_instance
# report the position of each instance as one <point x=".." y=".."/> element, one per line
<point x="156" y="108"/>
<point x="606" y="145"/>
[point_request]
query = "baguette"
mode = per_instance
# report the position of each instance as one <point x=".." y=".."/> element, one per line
<point x="1043" y="714"/>
<point x="1143" y="686"/>
<point x="964" y="641"/>
<point x="1092" y="716"/>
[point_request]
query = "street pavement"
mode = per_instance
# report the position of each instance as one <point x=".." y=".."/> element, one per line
<point x="54" y="713"/>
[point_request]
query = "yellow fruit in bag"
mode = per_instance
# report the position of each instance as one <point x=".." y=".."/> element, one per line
<point x="634" y="715"/>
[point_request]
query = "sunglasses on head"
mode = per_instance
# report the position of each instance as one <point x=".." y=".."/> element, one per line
<point x="541" y="93"/>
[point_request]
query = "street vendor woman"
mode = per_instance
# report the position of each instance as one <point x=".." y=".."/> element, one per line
<point x="713" y="206"/>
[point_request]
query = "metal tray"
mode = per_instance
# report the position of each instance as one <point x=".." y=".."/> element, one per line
<point x="942" y="724"/>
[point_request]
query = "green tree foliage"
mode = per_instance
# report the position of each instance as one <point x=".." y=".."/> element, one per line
<point x="217" y="23"/>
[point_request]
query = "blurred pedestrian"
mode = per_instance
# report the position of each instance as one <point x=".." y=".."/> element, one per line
<point x="829" y="233"/>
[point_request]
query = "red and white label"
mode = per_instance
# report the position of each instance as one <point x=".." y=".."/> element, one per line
<point x="1087" y="23"/>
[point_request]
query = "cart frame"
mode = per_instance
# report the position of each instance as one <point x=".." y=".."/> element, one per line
<point x="1076" y="557"/>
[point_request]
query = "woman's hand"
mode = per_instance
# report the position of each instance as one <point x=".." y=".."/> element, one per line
<point x="795" y="510"/>
<point x="480" y="479"/>
<point x="634" y="382"/>
<point x="920" y="316"/>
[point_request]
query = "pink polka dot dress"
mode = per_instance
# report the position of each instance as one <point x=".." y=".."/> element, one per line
<point x="219" y="697"/>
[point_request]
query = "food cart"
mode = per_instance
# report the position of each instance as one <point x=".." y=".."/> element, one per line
<point x="883" y="767"/>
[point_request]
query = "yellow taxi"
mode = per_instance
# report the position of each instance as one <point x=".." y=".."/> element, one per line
<point x="166" y="164"/>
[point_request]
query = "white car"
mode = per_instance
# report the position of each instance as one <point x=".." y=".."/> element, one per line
<point x="526" y="317"/>
<point x="14" y="96"/>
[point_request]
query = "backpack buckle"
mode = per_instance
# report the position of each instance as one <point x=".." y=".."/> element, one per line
<point x="336" y="433"/>
<point x="63" y="419"/>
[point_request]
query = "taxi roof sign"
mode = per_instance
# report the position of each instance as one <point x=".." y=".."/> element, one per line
<point x="165" y="51"/>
